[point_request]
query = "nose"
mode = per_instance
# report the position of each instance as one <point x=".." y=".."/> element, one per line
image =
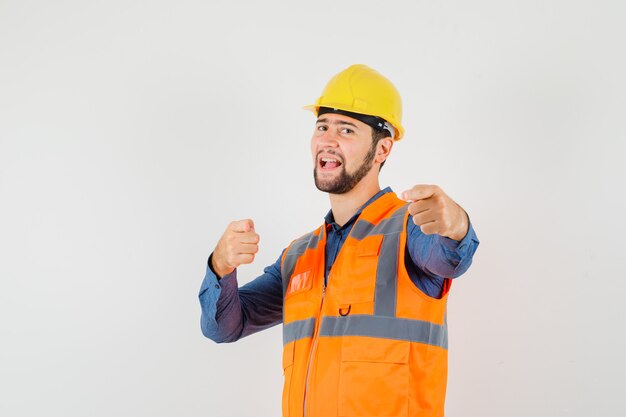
<point x="327" y="139"/>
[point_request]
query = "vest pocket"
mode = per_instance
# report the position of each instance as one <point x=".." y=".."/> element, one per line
<point x="299" y="283"/>
<point x="288" y="352"/>
<point x="373" y="377"/>
<point x="361" y="285"/>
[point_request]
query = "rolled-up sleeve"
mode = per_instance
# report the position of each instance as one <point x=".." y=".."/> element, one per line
<point x="230" y="313"/>
<point x="441" y="256"/>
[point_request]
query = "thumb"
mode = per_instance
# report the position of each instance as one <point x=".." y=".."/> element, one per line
<point x="245" y="225"/>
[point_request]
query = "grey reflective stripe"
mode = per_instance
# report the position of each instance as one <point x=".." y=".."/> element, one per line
<point x="386" y="277"/>
<point x="445" y="323"/>
<point x="363" y="228"/>
<point x="386" y="328"/>
<point x="387" y="268"/>
<point x="297" y="248"/>
<point x="298" y="330"/>
<point x="308" y="241"/>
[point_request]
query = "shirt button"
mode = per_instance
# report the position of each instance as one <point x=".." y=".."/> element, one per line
<point x="217" y="286"/>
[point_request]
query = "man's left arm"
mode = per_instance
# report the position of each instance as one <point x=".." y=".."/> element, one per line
<point x="443" y="240"/>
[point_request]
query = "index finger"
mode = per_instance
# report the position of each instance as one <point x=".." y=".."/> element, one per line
<point x="419" y="192"/>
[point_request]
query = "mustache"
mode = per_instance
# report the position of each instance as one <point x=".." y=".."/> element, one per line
<point x="330" y="152"/>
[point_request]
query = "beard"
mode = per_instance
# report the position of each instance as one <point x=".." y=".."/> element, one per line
<point x="345" y="181"/>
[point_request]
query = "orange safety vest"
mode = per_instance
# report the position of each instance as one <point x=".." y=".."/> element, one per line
<point x="370" y="343"/>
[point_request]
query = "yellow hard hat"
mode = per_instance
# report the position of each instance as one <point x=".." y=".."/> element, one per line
<point x="360" y="89"/>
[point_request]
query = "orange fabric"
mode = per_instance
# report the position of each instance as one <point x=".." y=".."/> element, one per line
<point x="355" y="375"/>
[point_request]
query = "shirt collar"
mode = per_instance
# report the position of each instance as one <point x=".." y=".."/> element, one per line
<point x="330" y="219"/>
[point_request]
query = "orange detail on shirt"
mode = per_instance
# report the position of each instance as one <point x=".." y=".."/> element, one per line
<point x="299" y="282"/>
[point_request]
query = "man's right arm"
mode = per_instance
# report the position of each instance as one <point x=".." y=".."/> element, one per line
<point x="230" y="313"/>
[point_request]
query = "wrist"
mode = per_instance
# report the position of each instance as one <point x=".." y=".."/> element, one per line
<point x="218" y="267"/>
<point x="463" y="227"/>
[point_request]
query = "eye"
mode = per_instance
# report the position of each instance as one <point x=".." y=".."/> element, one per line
<point x="322" y="128"/>
<point x="347" y="130"/>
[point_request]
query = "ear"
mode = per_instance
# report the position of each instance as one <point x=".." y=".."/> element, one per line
<point x="383" y="149"/>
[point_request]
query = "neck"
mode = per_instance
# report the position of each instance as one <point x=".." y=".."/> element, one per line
<point x="344" y="206"/>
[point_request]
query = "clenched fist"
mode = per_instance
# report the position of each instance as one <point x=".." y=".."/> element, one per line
<point x="237" y="246"/>
<point x="434" y="212"/>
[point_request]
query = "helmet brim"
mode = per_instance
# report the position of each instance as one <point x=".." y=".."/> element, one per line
<point x="315" y="107"/>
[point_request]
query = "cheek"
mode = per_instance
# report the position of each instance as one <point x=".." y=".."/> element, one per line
<point x="354" y="153"/>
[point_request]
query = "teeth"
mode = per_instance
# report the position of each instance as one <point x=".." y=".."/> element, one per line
<point x="329" y="160"/>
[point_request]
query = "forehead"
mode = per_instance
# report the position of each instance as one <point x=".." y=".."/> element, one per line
<point x="333" y="118"/>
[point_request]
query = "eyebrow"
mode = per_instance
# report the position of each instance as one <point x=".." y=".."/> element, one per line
<point x="336" y="122"/>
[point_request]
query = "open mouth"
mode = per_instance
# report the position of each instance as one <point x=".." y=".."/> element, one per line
<point x="328" y="163"/>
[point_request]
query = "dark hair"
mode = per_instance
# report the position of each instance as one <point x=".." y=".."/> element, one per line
<point x="377" y="135"/>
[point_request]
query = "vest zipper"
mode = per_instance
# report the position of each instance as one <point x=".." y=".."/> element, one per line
<point x="313" y="349"/>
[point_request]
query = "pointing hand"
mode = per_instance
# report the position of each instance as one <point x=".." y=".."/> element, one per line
<point x="434" y="212"/>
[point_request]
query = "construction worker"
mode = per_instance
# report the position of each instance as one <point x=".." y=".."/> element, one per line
<point x="362" y="298"/>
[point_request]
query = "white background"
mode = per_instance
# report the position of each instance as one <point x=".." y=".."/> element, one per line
<point x="132" y="132"/>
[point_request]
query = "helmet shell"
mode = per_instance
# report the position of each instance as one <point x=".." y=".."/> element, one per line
<point x="361" y="89"/>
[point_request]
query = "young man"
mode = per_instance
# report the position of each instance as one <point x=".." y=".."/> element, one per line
<point x="363" y="297"/>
